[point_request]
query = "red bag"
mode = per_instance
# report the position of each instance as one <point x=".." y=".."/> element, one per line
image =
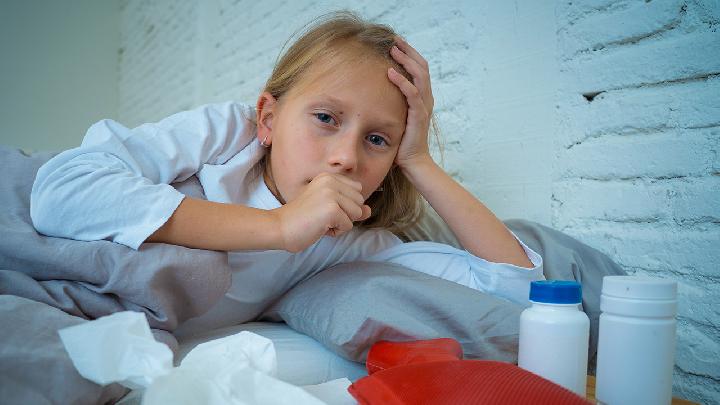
<point x="431" y="372"/>
<point x="384" y="354"/>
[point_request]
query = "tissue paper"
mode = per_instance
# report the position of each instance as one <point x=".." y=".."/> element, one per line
<point x="238" y="369"/>
<point x="117" y="348"/>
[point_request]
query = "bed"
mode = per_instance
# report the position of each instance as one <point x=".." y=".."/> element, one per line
<point x="322" y="328"/>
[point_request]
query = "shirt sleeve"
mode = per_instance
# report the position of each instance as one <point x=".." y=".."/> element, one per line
<point x="503" y="280"/>
<point x="116" y="185"/>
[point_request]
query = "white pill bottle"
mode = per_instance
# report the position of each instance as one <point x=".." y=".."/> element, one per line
<point x="554" y="334"/>
<point x="636" y="343"/>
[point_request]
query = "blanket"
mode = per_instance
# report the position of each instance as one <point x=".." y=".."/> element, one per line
<point x="90" y="279"/>
<point x="49" y="283"/>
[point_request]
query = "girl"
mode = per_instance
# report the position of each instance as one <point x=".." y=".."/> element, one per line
<point x="332" y="158"/>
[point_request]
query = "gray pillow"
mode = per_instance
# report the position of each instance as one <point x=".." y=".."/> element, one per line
<point x="350" y="306"/>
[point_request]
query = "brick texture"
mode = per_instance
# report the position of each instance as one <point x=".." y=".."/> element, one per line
<point x="636" y="171"/>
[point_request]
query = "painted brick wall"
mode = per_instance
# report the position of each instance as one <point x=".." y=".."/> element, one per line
<point x="599" y="118"/>
<point x="636" y="156"/>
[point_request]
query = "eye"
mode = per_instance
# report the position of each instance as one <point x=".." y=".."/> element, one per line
<point x="376" y="140"/>
<point x="325" y="118"/>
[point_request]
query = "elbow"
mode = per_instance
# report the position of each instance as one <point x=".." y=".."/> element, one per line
<point x="41" y="212"/>
<point x="53" y="199"/>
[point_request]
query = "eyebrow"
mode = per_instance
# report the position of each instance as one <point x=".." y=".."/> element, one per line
<point x="379" y="122"/>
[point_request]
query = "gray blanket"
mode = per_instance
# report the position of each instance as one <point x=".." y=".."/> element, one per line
<point x="48" y="283"/>
<point x="90" y="279"/>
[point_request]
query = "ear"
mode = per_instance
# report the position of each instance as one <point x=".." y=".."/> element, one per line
<point x="265" y="108"/>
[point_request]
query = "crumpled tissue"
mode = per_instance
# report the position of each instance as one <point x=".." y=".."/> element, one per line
<point x="237" y="369"/>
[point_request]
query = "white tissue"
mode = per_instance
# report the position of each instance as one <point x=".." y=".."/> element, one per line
<point x="238" y="369"/>
<point x="117" y="348"/>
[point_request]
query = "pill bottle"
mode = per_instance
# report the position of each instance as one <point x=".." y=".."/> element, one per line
<point x="554" y="334"/>
<point x="636" y="343"/>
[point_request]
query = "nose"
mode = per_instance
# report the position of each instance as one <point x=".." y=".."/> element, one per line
<point x="343" y="154"/>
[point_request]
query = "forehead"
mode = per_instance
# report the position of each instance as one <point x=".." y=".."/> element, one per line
<point x="352" y="77"/>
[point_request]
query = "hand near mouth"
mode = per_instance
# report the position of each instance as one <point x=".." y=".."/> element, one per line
<point x="327" y="206"/>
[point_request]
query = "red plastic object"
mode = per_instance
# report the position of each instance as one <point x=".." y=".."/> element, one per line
<point x="408" y="379"/>
<point x="384" y="354"/>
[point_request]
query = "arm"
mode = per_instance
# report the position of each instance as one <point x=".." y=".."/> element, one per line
<point x="476" y="227"/>
<point x="328" y="206"/>
<point x="210" y="225"/>
<point x="465" y="215"/>
<point x="115" y="186"/>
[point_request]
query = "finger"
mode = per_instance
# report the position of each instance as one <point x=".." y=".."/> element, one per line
<point x="419" y="74"/>
<point x="342" y="185"/>
<point x="352" y="210"/>
<point x="418" y="67"/>
<point x="366" y="212"/>
<point x="330" y="178"/>
<point x="410" y="51"/>
<point x="349" y="188"/>
<point x="412" y="94"/>
<point x="341" y="225"/>
<point x="351" y="193"/>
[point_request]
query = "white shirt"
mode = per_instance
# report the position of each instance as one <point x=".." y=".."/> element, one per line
<point x="116" y="186"/>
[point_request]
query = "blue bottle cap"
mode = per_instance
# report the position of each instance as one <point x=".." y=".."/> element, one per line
<point x="556" y="292"/>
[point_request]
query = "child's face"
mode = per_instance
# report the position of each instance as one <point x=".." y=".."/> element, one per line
<point x="347" y="120"/>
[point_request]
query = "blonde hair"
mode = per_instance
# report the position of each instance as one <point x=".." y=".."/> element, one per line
<point x="399" y="204"/>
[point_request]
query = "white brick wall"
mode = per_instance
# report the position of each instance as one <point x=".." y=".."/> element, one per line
<point x="634" y="172"/>
<point x="157" y="59"/>
<point x="637" y="164"/>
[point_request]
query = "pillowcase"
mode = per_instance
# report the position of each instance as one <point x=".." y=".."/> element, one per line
<point x="350" y="306"/>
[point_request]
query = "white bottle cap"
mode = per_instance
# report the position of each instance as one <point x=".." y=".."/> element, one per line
<point x="639" y="296"/>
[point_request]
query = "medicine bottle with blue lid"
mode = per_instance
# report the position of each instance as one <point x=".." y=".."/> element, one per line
<point x="554" y="334"/>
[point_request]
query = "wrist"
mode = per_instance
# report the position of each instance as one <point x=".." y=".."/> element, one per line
<point x="416" y="167"/>
<point x="273" y="226"/>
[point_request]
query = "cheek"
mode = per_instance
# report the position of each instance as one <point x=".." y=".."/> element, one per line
<point x="376" y="172"/>
<point x="293" y="158"/>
